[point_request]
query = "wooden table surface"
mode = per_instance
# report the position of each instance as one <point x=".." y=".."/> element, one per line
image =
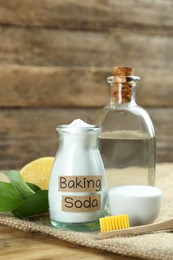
<point x="21" y="245"/>
<point x="15" y="244"/>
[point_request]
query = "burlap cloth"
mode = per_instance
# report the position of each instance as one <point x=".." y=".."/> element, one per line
<point x="151" y="246"/>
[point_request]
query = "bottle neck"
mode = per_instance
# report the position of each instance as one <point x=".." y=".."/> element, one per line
<point x="78" y="136"/>
<point x="123" y="94"/>
<point x="123" y="90"/>
<point x="78" y="141"/>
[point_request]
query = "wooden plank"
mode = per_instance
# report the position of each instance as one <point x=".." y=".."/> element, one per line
<point x="25" y="86"/>
<point x="27" y="134"/>
<point x="155" y="88"/>
<point x="15" y="244"/>
<point x="155" y="16"/>
<point x="50" y="47"/>
<point x="52" y="86"/>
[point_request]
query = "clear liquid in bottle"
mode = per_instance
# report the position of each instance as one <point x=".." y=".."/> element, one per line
<point x="128" y="158"/>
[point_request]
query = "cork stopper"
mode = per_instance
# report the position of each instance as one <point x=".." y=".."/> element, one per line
<point x="123" y="71"/>
<point x="122" y="92"/>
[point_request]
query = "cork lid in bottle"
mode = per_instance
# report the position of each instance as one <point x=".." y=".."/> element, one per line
<point x="122" y="93"/>
<point x="123" y="71"/>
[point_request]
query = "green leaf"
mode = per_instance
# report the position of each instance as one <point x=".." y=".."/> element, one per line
<point x="9" y="198"/>
<point x="33" y="186"/>
<point x="19" y="184"/>
<point x="33" y="205"/>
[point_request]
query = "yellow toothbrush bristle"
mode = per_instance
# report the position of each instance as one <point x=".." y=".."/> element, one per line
<point x="114" y="223"/>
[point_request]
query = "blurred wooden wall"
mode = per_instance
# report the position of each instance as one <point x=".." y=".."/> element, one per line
<point x="55" y="56"/>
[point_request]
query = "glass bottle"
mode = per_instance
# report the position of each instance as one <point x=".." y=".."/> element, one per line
<point x="127" y="140"/>
<point x="77" y="189"/>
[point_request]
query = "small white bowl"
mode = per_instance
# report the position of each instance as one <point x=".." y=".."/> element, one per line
<point x="141" y="203"/>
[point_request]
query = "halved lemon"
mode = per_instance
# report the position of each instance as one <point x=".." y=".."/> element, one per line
<point x="38" y="172"/>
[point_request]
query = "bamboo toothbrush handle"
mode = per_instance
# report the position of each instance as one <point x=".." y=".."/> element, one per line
<point x="145" y="229"/>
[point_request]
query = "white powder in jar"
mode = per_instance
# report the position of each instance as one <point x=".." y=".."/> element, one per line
<point x="79" y="123"/>
<point x="76" y="168"/>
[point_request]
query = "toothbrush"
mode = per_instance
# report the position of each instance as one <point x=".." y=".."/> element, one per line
<point x="125" y="230"/>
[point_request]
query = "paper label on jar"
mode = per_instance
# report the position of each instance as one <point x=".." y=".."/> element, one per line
<point x="80" y="183"/>
<point x="81" y="203"/>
